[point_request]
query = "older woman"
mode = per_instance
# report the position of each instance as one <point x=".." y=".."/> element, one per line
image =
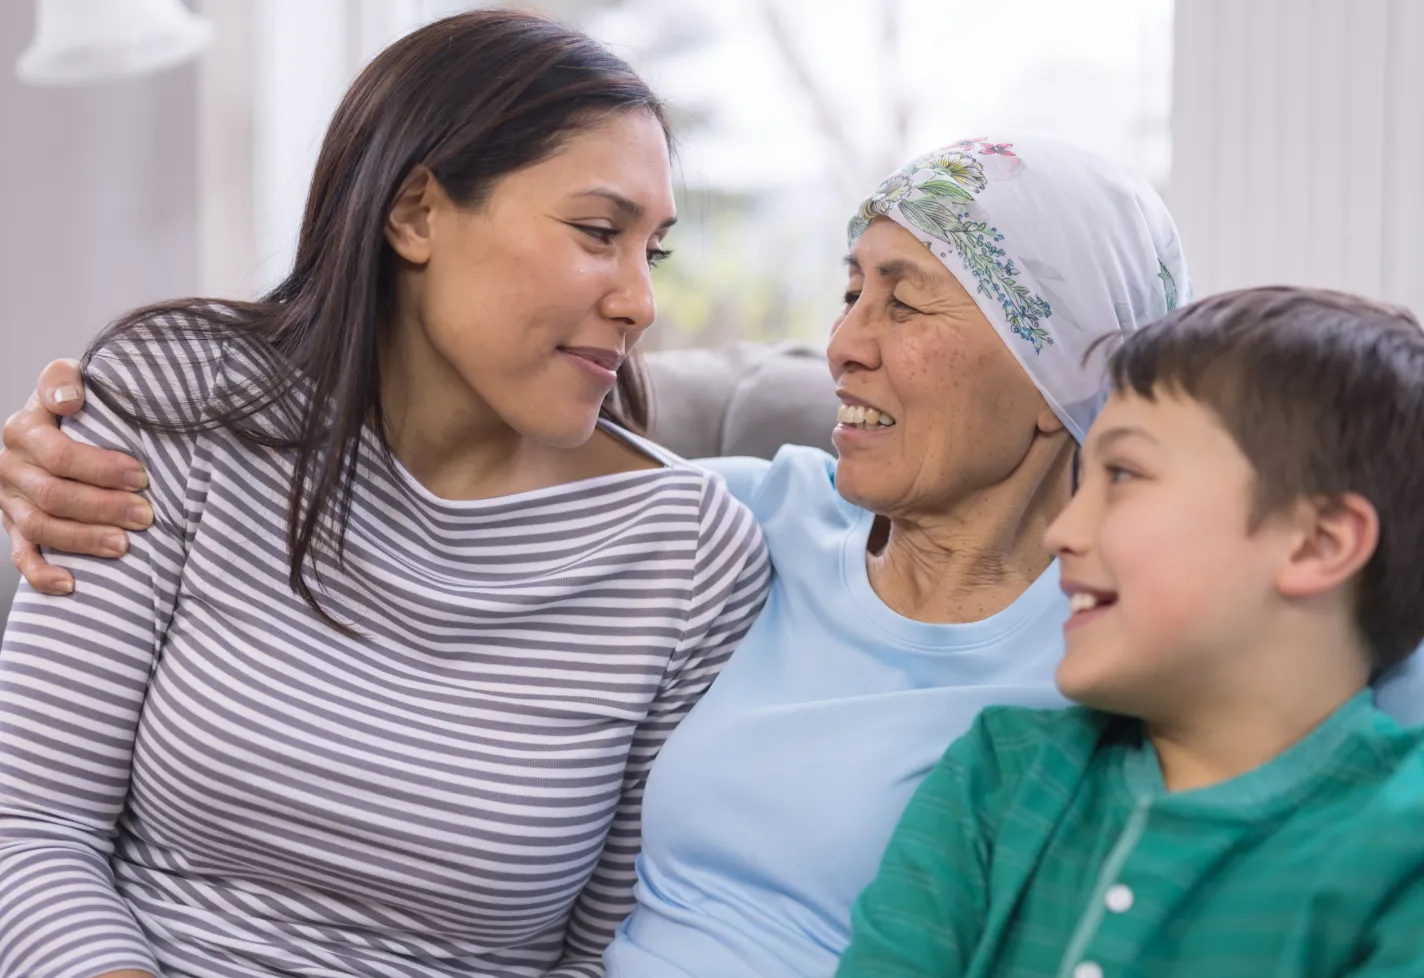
<point x="912" y="587"/>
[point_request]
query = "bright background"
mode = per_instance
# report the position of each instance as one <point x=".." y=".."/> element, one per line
<point x="1286" y="135"/>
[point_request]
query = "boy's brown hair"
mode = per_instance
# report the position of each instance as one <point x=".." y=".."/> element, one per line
<point x="1324" y="393"/>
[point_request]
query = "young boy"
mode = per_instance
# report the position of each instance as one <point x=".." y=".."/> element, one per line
<point x="1244" y="553"/>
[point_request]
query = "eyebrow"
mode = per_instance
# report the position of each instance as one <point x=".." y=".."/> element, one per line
<point x="894" y="268"/>
<point x="630" y="208"/>
<point x="1114" y="435"/>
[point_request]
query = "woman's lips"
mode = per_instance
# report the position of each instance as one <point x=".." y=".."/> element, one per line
<point x="856" y="412"/>
<point x="848" y="437"/>
<point x="599" y="365"/>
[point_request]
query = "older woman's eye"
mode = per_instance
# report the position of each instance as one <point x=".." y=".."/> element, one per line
<point x="899" y="306"/>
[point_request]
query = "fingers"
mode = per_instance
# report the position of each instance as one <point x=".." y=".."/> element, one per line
<point x="31" y="434"/>
<point x="61" y="387"/>
<point x="58" y="493"/>
<point x="39" y="528"/>
<point x="78" y="501"/>
<point x="26" y="557"/>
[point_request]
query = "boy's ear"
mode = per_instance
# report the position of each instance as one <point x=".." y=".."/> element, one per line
<point x="408" y="223"/>
<point x="1338" y="538"/>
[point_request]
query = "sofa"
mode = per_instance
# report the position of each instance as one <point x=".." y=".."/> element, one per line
<point x="743" y="399"/>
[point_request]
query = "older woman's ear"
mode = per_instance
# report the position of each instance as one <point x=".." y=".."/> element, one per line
<point x="1048" y="422"/>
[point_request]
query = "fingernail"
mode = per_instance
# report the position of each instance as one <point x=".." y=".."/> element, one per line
<point x="65" y="394"/>
<point x="136" y="480"/>
<point x="116" y="543"/>
<point x="64" y="587"/>
<point x="140" y="514"/>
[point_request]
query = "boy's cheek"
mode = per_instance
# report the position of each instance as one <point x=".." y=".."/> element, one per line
<point x="1128" y="660"/>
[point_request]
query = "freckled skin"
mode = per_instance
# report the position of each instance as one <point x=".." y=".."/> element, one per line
<point x="918" y="346"/>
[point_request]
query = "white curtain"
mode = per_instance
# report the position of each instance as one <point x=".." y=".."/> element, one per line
<point x="268" y="88"/>
<point x="1298" y="144"/>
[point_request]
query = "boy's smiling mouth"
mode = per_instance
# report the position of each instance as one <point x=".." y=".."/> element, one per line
<point x="1086" y="603"/>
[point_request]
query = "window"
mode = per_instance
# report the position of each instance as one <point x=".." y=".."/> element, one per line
<point x="788" y="113"/>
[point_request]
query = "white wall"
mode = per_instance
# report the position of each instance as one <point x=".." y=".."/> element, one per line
<point x="268" y="89"/>
<point x="191" y="182"/>
<point x="1298" y="144"/>
<point x="98" y="211"/>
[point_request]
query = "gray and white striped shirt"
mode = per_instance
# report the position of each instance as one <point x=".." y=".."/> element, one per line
<point x="200" y="778"/>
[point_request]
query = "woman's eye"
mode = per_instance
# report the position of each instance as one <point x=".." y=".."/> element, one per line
<point x="656" y="256"/>
<point x="600" y="234"/>
<point x="851" y="298"/>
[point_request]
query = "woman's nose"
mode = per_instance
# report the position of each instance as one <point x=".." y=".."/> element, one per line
<point x="853" y="343"/>
<point x="631" y="302"/>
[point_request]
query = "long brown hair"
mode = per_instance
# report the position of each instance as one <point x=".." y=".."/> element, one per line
<point x="472" y="97"/>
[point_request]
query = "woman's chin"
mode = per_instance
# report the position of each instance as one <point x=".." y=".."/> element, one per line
<point x="863" y="483"/>
<point x="564" y="430"/>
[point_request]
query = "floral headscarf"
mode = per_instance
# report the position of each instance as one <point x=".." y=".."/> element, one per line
<point x="1057" y="247"/>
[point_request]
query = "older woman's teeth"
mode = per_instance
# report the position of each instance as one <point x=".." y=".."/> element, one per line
<point x="860" y="416"/>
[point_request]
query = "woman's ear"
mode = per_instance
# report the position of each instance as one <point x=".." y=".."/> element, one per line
<point x="1048" y="422"/>
<point x="1337" y="538"/>
<point x="408" y="223"/>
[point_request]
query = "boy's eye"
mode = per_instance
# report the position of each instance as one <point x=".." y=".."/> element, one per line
<point x="1118" y="474"/>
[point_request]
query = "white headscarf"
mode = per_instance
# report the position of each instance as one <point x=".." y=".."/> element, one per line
<point x="1057" y="247"/>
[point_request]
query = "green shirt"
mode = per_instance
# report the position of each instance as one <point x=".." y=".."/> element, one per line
<point x="1044" y="845"/>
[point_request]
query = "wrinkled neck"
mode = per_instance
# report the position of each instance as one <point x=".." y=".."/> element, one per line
<point x="978" y="556"/>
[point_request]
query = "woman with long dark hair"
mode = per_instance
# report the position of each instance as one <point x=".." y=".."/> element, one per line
<point x="378" y="692"/>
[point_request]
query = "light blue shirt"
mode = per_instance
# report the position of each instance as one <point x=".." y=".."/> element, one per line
<point x="770" y="806"/>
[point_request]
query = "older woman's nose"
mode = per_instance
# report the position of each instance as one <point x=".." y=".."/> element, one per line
<point x="853" y="345"/>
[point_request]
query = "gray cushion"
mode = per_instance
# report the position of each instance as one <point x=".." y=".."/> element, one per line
<point x="743" y="399"/>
